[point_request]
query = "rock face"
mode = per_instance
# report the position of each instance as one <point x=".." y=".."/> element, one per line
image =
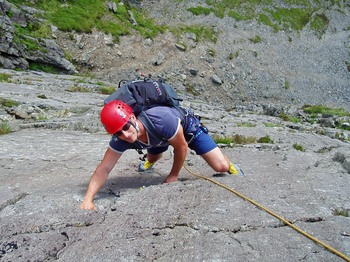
<point x="57" y="141"/>
<point x="14" y="54"/>
<point x="46" y="164"/>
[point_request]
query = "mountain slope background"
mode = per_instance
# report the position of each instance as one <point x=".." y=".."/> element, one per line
<point x="227" y="52"/>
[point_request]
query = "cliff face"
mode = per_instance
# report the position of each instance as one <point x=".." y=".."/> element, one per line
<point x="18" y="51"/>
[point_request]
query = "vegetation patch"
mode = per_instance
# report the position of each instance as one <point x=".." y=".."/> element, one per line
<point x="293" y="14"/>
<point x="84" y="15"/>
<point x="298" y="147"/>
<point x="245" y="124"/>
<point x="319" y="24"/>
<point x="266" y="140"/>
<point x="233" y="55"/>
<point x="78" y="89"/>
<point x="8" y="102"/>
<point x="319" y="109"/>
<point x="201" y="32"/>
<point x="5" y="77"/>
<point x="241" y="140"/>
<point x="294" y="18"/>
<point x="341" y="212"/>
<point x="289" y="118"/>
<point x="191" y="89"/>
<point x="286" y="84"/>
<point x="268" y="124"/>
<point x="42" y="96"/>
<point x="4" y="128"/>
<point x="43" y="67"/>
<point x="211" y="52"/>
<point x="256" y="39"/>
<point x="106" y="90"/>
<point x="200" y="10"/>
<point x="236" y="139"/>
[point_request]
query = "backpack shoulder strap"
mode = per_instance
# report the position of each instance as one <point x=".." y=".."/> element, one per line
<point x="149" y="126"/>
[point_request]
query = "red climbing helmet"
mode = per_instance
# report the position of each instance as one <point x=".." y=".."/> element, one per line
<point x="115" y="115"/>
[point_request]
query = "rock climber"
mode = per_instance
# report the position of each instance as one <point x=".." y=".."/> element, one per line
<point x="179" y="130"/>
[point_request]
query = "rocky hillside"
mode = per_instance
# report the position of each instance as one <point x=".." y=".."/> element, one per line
<point x="249" y="63"/>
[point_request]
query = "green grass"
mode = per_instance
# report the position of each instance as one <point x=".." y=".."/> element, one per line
<point x="241" y="140"/>
<point x="200" y="10"/>
<point x="256" y="39"/>
<point x="268" y="124"/>
<point x="8" y="102"/>
<point x="5" y="77"/>
<point x="286" y="84"/>
<point x="236" y="139"/>
<point x="285" y="14"/>
<point x="341" y="212"/>
<point x="298" y="147"/>
<point x="319" y="24"/>
<point x="319" y="109"/>
<point x="294" y="18"/>
<point x="201" y="32"/>
<point x="233" y="55"/>
<point x="289" y="118"/>
<point x="106" y="90"/>
<point x="78" y="89"/>
<point x="4" y="128"/>
<point x="42" y="96"/>
<point x="29" y="36"/>
<point x="314" y="111"/>
<point x="266" y="140"/>
<point x="265" y="19"/>
<point x="84" y="15"/>
<point x="245" y="124"/>
<point x="43" y="67"/>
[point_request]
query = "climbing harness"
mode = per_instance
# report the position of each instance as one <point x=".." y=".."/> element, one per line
<point x="271" y="213"/>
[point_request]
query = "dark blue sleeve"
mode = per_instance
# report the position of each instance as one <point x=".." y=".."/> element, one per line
<point x="119" y="145"/>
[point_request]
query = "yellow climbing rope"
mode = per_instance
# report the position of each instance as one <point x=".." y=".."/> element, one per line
<point x="272" y="213"/>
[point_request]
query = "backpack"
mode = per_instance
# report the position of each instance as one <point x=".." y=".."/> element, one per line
<point x="145" y="93"/>
<point x="142" y="94"/>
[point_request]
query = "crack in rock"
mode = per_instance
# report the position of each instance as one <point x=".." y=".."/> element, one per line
<point x="242" y="228"/>
<point x="13" y="200"/>
<point x="53" y="227"/>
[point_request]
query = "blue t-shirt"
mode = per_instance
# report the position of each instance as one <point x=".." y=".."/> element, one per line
<point x="166" y="121"/>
